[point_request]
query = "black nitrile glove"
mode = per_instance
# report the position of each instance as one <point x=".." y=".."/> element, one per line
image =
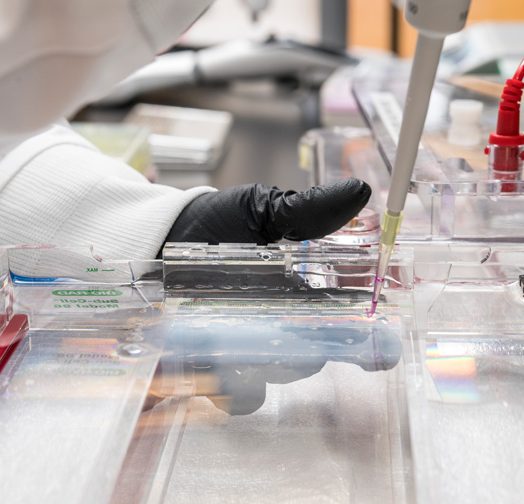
<point x="260" y="214"/>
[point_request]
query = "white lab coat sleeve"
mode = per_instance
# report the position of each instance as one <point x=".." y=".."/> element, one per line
<point x="57" y="188"/>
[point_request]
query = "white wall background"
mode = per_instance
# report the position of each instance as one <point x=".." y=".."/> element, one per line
<point x="230" y="19"/>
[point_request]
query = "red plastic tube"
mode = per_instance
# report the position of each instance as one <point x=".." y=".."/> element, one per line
<point x="505" y="148"/>
<point x="11" y="336"/>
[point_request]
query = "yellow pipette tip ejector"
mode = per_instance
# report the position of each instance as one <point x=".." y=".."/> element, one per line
<point x="389" y="229"/>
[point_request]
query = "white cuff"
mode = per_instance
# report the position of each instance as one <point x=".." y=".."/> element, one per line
<point x="68" y="195"/>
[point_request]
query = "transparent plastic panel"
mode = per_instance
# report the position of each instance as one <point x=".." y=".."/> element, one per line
<point x="269" y="337"/>
<point x="5" y="298"/>
<point x="287" y="269"/>
<point x="76" y="287"/>
<point x="84" y="340"/>
<point x="232" y="372"/>
<point x="464" y="374"/>
<point x="70" y="401"/>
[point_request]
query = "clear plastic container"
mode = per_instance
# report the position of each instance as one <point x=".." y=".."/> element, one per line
<point x="505" y="163"/>
<point x="463" y="374"/>
<point x="125" y="142"/>
<point x="220" y="373"/>
<point x="250" y="373"/>
<point x="187" y="144"/>
<point x="453" y="193"/>
<point x="184" y="138"/>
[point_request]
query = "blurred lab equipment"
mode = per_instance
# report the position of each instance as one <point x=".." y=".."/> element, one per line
<point x="464" y="128"/>
<point x="242" y="59"/>
<point x="186" y="144"/>
<point x="485" y="48"/>
<point x="433" y="20"/>
<point x="125" y="142"/>
<point x="256" y="7"/>
<point x="268" y="84"/>
<point x="249" y="57"/>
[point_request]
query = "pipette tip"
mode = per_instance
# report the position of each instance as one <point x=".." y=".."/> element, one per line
<point x="377" y="286"/>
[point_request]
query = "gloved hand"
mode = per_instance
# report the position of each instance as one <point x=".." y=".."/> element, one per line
<point x="260" y="214"/>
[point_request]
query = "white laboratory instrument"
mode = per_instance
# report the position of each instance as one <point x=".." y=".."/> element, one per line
<point x="239" y="59"/>
<point x="433" y="20"/>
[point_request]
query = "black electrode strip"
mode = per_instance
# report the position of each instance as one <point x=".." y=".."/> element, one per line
<point x="334" y="29"/>
<point x="395" y="19"/>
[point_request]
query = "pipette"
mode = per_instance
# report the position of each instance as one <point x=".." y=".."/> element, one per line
<point x="434" y="19"/>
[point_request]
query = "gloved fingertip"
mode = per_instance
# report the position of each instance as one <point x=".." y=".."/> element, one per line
<point x="365" y="192"/>
<point x="348" y="196"/>
<point x="354" y="189"/>
<point x="324" y="209"/>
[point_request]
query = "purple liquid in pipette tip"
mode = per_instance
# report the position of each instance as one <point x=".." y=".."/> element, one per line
<point x="374" y="302"/>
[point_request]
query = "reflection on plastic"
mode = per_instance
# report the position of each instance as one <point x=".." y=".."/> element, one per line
<point x="232" y="350"/>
